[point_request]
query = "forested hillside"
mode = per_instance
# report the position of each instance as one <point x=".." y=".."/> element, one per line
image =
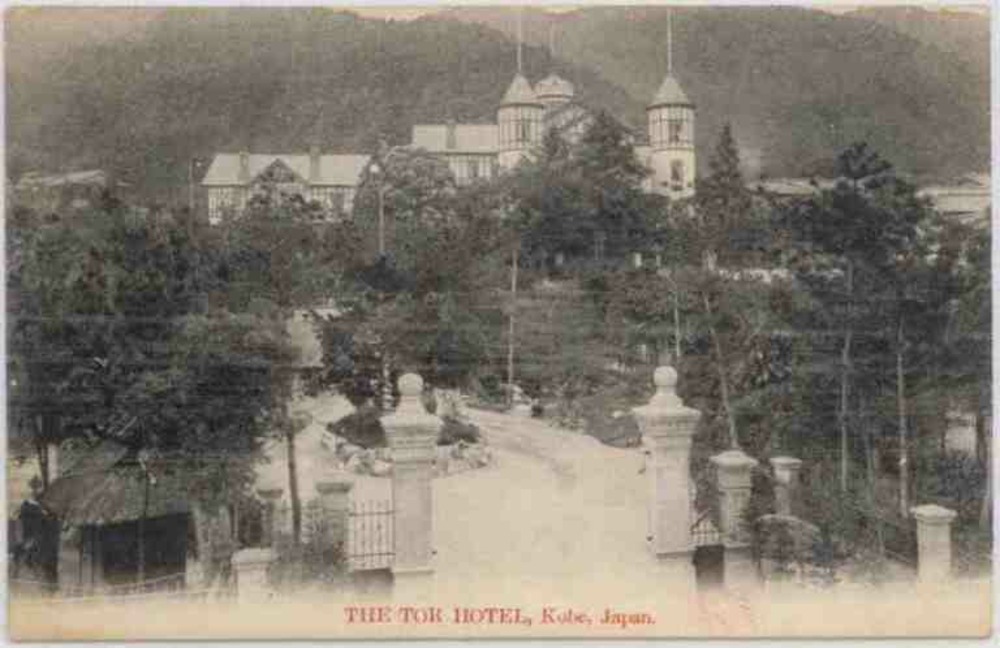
<point x="796" y="83"/>
<point x="161" y="86"/>
<point x="142" y="91"/>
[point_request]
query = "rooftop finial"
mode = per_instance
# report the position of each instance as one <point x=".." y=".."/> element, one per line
<point x="670" y="42"/>
<point x="520" y="39"/>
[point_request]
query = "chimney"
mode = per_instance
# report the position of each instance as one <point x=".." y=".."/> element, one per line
<point x="450" y="139"/>
<point x="314" y="164"/>
<point x="244" y="173"/>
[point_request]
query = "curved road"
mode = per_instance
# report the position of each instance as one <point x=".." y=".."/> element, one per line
<point x="557" y="514"/>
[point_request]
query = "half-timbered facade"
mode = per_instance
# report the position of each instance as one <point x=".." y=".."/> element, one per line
<point x="328" y="180"/>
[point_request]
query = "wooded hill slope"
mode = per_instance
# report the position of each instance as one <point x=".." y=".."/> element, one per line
<point x="142" y="91"/>
<point x="796" y="83"/>
<point x="166" y="85"/>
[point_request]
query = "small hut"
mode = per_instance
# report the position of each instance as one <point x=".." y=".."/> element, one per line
<point x="121" y="525"/>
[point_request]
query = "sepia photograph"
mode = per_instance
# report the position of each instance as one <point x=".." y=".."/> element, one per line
<point x="482" y="322"/>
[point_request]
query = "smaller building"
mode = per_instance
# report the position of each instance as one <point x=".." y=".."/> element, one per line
<point x="329" y="180"/>
<point x="65" y="192"/>
<point x="967" y="200"/>
<point x="119" y="524"/>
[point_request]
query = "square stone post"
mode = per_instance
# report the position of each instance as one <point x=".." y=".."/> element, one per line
<point x="250" y="567"/>
<point x="667" y="427"/>
<point x="733" y="477"/>
<point x="933" y="542"/>
<point x="786" y="480"/>
<point x="335" y="499"/>
<point x="734" y="473"/>
<point x="271" y="498"/>
<point x="412" y="434"/>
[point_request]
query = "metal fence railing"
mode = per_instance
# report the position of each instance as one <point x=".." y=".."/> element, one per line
<point x="168" y="587"/>
<point x="370" y="535"/>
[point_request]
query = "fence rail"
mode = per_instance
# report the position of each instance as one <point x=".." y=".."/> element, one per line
<point x="162" y="588"/>
<point x="370" y="535"/>
<point x="899" y="539"/>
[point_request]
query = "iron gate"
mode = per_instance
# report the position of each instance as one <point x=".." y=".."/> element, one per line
<point x="370" y="535"/>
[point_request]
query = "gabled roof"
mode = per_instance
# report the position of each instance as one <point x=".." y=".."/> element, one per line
<point x="469" y="138"/>
<point x="92" y="177"/>
<point x="670" y="94"/>
<point x="519" y="92"/>
<point x="334" y="170"/>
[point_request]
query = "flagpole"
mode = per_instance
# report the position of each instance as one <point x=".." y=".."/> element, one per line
<point x="191" y="185"/>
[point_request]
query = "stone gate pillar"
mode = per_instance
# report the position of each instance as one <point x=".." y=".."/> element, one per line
<point x="250" y="568"/>
<point x="733" y="478"/>
<point x="335" y="499"/>
<point x="933" y="543"/>
<point x="667" y="426"/>
<point x="786" y="480"/>
<point x="412" y="434"/>
<point x="269" y="515"/>
<point x="734" y="474"/>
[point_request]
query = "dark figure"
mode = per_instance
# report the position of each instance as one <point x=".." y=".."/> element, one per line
<point x="37" y="554"/>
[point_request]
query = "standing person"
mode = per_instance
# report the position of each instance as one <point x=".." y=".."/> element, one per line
<point x="38" y="549"/>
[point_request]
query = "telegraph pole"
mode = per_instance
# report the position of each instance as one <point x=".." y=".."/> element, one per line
<point x="191" y="164"/>
<point x="510" y="331"/>
<point x="381" y="216"/>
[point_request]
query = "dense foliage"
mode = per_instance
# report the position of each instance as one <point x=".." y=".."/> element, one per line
<point x="111" y="337"/>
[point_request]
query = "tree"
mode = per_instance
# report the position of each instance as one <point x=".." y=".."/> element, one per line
<point x="849" y="238"/>
<point x="722" y="202"/>
<point x="424" y="306"/>
<point x="918" y="307"/>
<point x="280" y="257"/>
<point x="113" y="339"/>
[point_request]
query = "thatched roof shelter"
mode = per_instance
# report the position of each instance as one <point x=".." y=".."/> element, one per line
<point x="108" y="487"/>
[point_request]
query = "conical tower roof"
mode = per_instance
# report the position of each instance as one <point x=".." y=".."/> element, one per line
<point x="554" y="86"/>
<point x="519" y="92"/>
<point x="670" y="94"/>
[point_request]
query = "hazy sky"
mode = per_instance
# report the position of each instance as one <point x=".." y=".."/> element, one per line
<point x="407" y="11"/>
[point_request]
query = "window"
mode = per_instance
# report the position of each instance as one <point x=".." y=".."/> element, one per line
<point x="523" y="130"/>
<point x="473" y="168"/>
<point x="337" y="202"/>
<point x="674" y="127"/>
<point x="676" y="175"/>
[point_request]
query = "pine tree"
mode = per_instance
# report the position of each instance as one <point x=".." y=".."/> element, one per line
<point x="722" y="200"/>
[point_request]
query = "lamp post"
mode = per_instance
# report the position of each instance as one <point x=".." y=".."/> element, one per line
<point x="376" y="171"/>
<point x="510" y="333"/>
<point x="506" y="216"/>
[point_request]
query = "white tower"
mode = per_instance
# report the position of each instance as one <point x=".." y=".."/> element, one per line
<point x="519" y="117"/>
<point x="671" y="135"/>
<point x="554" y="91"/>
<point x="520" y="123"/>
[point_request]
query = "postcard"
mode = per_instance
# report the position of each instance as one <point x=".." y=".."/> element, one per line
<point x="592" y="322"/>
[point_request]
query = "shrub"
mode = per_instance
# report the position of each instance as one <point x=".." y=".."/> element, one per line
<point x="363" y="428"/>
<point x="454" y="431"/>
